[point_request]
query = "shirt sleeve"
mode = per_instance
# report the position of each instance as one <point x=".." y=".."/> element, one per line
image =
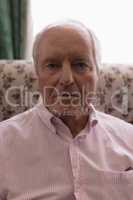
<point x="127" y="135"/>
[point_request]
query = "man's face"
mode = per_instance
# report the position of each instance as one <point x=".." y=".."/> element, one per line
<point x="66" y="70"/>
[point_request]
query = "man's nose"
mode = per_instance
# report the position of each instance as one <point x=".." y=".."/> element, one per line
<point x="67" y="74"/>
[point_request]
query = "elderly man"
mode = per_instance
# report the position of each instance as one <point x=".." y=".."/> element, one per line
<point x="63" y="149"/>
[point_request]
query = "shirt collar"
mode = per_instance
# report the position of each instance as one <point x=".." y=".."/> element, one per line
<point x="93" y="115"/>
<point x="44" y="114"/>
<point x="47" y="117"/>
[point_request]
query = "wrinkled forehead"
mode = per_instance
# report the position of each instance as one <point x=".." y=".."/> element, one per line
<point x="68" y="39"/>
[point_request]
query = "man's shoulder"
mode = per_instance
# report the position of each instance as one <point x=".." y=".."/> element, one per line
<point x="17" y="123"/>
<point x="112" y="121"/>
<point x="17" y="118"/>
<point x="117" y="128"/>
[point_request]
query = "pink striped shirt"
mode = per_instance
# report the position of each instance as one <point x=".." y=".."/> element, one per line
<point x="39" y="159"/>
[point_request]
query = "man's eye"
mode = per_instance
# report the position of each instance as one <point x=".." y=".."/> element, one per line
<point x="51" y="66"/>
<point x="80" y="65"/>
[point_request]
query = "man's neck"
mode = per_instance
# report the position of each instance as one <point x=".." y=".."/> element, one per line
<point x="75" y="124"/>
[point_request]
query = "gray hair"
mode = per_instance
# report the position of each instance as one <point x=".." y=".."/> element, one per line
<point x="94" y="40"/>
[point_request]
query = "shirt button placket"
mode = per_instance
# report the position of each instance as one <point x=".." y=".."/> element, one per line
<point x="74" y="156"/>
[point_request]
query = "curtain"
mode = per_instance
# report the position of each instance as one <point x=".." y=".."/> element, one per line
<point x="13" y="24"/>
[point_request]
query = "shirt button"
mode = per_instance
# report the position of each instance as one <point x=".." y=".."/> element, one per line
<point x="82" y="137"/>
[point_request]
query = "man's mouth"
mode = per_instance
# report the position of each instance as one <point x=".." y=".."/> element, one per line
<point x="64" y="94"/>
<point x="72" y="93"/>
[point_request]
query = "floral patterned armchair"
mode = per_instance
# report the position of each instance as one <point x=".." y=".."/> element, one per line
<point x="19" y="89"/>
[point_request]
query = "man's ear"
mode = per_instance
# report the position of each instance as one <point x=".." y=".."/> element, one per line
<point x="97" y="79"/>
<point x="36" y="70"/>
<point x="97" y="71"/>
